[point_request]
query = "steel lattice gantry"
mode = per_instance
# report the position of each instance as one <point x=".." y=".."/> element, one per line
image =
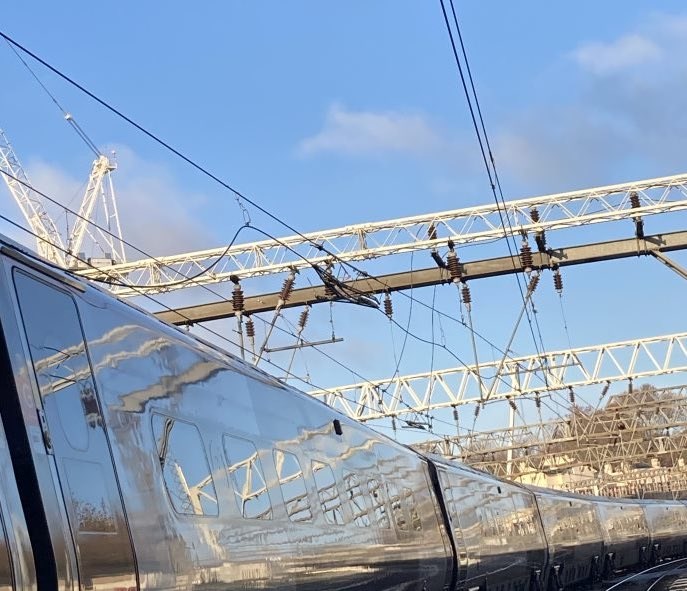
<point x="372" y="240"/>
<point x="646" y="423"/>
<point x="551" y="371"/>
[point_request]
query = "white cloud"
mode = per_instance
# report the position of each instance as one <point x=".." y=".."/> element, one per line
<point x="626" y="52"/>
<point x="372" y="133"/>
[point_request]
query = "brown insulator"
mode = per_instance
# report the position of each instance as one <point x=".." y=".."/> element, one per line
<point x="286" y="288"/>
<point x="571" y="395"/>
<point x="453" y="265"/>
<point x="237" y="301"/>
<point x="526" y="259"/>
<point x="303" y="318"/>
<point x="558" y="281"/>
<point x="634" y="200"/>
<point x="477" y="409"/>
<point x="605" y="390"/>
<point x="388" y="305"/>
<point x="329" y="291"/>
<point x="534" y="214"/>
<point x="250" y="328"/>
<point x="432" y="231"/>
<point x="465" y="294"/>
<point x="511" y="403"/>
<point x="630" y="387"/>
<point x="537" y="400"/>
<point x="533" y="283"/>
<point x="455" y="414"/>
<point x="393" y="423"/>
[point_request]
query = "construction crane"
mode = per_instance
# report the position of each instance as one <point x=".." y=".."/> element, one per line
<point x="48" y="239"/>
<point x="96" y="228"/>
<point x="536" y="215"/>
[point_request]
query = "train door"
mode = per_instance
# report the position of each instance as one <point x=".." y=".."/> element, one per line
<point x="74" y="435"/>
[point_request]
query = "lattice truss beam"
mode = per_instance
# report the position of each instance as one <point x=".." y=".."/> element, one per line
<point x="373" y="240"/>
<point x="551" y="371"/>
<point x="649" y="423"/>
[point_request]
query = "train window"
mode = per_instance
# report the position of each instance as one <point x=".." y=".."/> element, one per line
<point x="327" y="492"/>
<point x="354" y="494"/>
<point x="59" y="357"/>
<point x="409" y="500"/>
<point x="247" y="476"/>
<point x="185" y="468"/>
<point x="292" y="485"/>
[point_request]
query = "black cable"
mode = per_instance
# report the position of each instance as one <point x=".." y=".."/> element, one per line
<point x="158" y="302"/>
<point x="202" y="169"/>
<point x="494" y="181"/>
<point x="112" y="281"/>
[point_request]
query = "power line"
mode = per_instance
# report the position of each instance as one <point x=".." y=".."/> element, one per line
<point x="494" y="181"/>
<point x="239" y="195"/>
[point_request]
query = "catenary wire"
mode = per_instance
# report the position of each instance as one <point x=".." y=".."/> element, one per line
<point x="191" y="279"/>
<point x="214" y="333"/>
<point x="493" y="179"/>
<point x="191" y="162"/>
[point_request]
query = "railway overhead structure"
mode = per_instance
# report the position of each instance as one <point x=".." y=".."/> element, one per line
<point x="645" y="428"/>
<point x="535" y="215"/>
<point x="518" y="376"/>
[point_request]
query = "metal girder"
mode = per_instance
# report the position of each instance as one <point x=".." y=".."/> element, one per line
<point x="551" y="371"/>
<point x="559" y="257"/>
<point x="646" y="423"/>
<point x="372" y="240"/>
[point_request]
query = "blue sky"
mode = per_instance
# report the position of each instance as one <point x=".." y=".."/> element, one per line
<point x="337" y="113"/>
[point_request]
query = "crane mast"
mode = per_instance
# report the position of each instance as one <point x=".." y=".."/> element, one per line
<point x="96" y="227"/>
<point x="105" y="234"/>
<point x="49" y="242"/>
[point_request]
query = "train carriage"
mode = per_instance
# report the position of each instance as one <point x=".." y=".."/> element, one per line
<point x="667" y="522"/>
<point x="497" y="529"/>
<point x="626" y="534"/>
<point x="574" y="537"/>
<point x="135" y="456"/>
<point x="163" y="463"/>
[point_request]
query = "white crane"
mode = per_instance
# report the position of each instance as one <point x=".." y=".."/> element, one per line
<point x="48" y="239"/>
<point x="96" y="235"/>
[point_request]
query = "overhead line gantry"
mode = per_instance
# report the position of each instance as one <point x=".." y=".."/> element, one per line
<point x="509" y="378"/>
<point x="654" y="245"/>
<point x="373" y="240"/>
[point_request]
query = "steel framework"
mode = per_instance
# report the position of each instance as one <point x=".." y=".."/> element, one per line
<point x="96" y="223"/>
<point x="373" y="240"/>
<point x="551" y="371"/>
<point x="640" y="425"/>
<point x="48" y="239"/>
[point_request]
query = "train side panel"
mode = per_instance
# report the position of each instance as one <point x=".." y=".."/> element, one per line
<point x="78" y="526"/>
<point x="498" y="526"/>
<point x="17" y="569"/>
<point x="230" y="478"/>
<point x="626" y="534"/>
<point x="574" y="537"/>
<point x="667" y="523"/>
